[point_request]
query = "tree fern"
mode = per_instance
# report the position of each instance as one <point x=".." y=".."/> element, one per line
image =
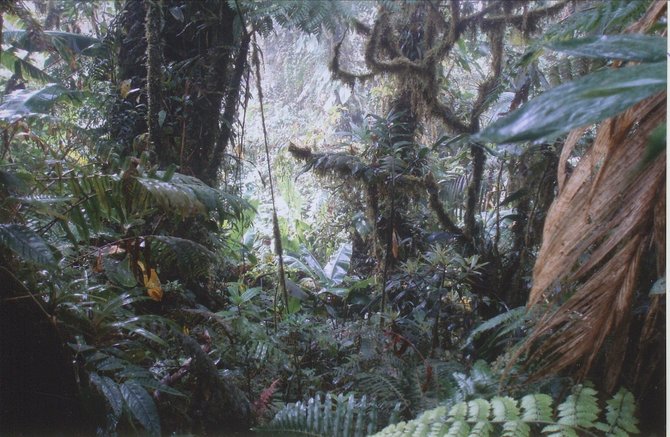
<point x="507" y="416"/>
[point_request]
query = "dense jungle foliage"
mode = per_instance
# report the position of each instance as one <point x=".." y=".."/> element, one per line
<point x="333" y="218"/>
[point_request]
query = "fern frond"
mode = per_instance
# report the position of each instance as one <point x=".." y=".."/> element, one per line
<point x="580" y="408"/>
<point x="332" y="416"/>
<point x="514" y="317"/>
<point x="502" y="416"/>
<point x="620" y="415"/>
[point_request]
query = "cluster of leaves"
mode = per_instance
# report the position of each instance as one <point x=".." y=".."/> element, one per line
<point x="118" y="255"/>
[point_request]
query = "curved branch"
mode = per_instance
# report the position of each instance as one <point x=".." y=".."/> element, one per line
<point x="434" y="199"/>
<point x="527" y="18"/>
<point x="488" y="86"/>
<point x="399" y="63"/>
<point x="345" y="76"/>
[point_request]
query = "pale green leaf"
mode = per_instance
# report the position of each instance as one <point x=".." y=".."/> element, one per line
<point x="627" y="47"/>
<point x="579" y="103"/>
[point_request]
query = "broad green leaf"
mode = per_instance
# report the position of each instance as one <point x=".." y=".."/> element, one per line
<point x="250" y="294"/>
<point x="26" y="102"/>
<point x="141" y="406"/>
<point x="27" y="244"/>
<point x="338" y="266"/>
<point x="110" y="390"/>
<point x="119" y="272"/>
<point x="74" y="42"/>
<point x="582" y="102"/>
<point x="631" y="47"/>
<point x="12" y="62"/>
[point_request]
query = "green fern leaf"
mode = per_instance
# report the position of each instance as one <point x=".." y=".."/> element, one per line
<point x="516" y="428"/>
<point x="334" y="416"/>
<point x="192" y="259"/>
<point x="537" y="408"/>
<point x="504" y="409"/>
<point x="27" y="244"/>
<point x="459" y="411"/>
<point x="478" y="410"/>
<point x="580" y="409"/>
<point x="459" y="428"/>
<point x="508" y="317"/>
<point x="621" y="420"/>
<point x="560" y="431"/>
<point x="481" y="429"/>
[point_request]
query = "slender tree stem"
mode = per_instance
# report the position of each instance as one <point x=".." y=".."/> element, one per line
<point x="275" y="221"/>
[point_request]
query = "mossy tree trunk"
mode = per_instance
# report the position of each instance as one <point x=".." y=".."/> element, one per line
<point x="196" y="57"/>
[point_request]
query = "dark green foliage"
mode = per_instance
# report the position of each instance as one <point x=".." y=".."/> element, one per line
<point x="156" y="289"/>
<point x="27" y="244"/>
<point x="587" y="100"/>
<point x="141" y="406"/>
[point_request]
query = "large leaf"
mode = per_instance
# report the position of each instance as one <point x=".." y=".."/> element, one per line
<point x="27" y="244"/>
<point x="588" y="100"/>
<point x="633" y="47"/>
<point x="41" y="101"/>
<point x="141" y="406"/>
<point x="110" y="390"/>
<point x="13" y="63"/>
<point x="74" y="42"/>
<point x="338" y="266"/>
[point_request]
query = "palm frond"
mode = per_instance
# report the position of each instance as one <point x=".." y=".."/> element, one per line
<point x="610" y="200"/>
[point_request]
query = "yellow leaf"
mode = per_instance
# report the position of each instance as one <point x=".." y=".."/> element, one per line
<point x="124" y="88"/>
<point x="151" y="282"/>
<point x="394" y="241"/>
